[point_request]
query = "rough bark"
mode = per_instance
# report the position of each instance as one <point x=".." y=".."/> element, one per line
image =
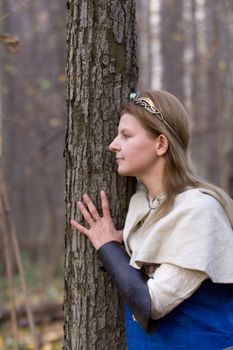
<point x="101" y="72"/>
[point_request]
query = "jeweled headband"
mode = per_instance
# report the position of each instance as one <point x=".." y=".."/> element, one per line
<point x="150" y="107"/>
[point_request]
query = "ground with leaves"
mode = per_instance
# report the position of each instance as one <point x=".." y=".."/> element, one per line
<point x="46" y="298"/>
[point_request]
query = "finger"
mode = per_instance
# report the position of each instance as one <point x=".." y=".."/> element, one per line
<point x="85" y="213"/>
<point x="91" y="207"/>
<point x="105" y="205"/>
<point x="79" y="227"/>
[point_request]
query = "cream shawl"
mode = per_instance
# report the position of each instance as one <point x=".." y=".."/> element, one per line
<point x="196" y="234"/>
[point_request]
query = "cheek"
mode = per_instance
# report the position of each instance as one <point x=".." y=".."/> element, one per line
<point x="140" y="155"/>
<point x="145" y="149"/>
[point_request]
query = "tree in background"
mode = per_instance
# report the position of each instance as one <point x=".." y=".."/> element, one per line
<point x="172" y="47"/>
<point x="144" y="39"/>
<point x="211" y="101"/>
<point x="194" y="58"/>
<point x="33" y="108"/>
<point x="101" y="72"/>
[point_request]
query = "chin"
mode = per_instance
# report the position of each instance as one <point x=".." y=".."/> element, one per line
<point x="123" y="172"/>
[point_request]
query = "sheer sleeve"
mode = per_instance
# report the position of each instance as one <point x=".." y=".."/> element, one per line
<point x="170" y="286"/>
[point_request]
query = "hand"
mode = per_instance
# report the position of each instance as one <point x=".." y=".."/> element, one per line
<point x="101" y="229"/>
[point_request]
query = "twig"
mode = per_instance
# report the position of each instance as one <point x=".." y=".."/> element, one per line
<point x="45" y="312"/>
<point x="7" y="256"/>
<point x="12" y="234"/>
<point x="6" y="15"/>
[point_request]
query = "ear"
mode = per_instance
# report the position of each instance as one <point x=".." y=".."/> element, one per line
<point x="161" y="145"/>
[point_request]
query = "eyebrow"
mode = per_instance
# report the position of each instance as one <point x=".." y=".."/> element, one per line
<point x="123" y="130"/>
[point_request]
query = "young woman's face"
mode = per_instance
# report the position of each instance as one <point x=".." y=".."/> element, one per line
<point x="134" y="147"/>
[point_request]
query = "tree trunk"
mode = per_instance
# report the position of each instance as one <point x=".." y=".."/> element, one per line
<point x="143" y="14"/>
<point x="211" y="92"/>
<point x="172" y="47"/>
<point x="224" y="89"/>
<point x="33" y="121"/>
<point x="229" y="90"/>
<point x="101" y="72"/>
<point x="199" y="107"/>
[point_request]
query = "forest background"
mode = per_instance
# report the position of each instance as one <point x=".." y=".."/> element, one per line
<point x="184" y="46"/>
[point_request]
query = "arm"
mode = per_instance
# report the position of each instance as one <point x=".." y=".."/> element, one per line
<point x="170" y="286"/>
<point x="131" y="283"/>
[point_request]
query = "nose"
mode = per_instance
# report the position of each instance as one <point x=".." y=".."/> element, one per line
<point x="114" y="145"/>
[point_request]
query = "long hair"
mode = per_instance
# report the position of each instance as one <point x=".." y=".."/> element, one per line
<point x="179" y="174"/>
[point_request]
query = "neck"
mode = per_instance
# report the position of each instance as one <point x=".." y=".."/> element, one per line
<point x="154" y="188"/>
<point x="154" y="181"/>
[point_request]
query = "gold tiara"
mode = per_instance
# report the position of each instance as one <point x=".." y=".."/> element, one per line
<point x="148" y="104"/>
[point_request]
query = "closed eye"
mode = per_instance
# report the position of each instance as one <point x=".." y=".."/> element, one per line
<point x="126" y="135"/>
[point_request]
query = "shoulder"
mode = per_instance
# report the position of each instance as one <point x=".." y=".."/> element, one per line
<point x="199" y="200"/>
<point x="199" y="206"/>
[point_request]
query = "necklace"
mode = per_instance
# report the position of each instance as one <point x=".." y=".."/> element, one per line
<point x="155" y="202"/>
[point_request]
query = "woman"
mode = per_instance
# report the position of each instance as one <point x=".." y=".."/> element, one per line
<point x="176" y="270"/>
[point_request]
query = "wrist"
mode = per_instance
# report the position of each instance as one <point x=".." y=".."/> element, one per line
<point x="107" y="242"/>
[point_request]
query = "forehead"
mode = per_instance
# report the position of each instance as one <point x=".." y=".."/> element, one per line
<point x="129" y="121"/>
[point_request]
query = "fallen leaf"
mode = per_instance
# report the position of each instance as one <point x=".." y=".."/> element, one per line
<point x="10" y="41"/>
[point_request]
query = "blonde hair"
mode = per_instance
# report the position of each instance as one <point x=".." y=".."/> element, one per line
<point x="179" y="174"/>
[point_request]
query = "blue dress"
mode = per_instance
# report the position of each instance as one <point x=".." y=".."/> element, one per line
<point x="204" y="321"/>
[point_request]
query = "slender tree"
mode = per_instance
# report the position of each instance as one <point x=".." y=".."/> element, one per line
<point x="212" y="90"/>
<point x="101" y="72"/>
<point x="172" y="47"/>
<point x="33" y="123"/>
<point x="144" y="55"/>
